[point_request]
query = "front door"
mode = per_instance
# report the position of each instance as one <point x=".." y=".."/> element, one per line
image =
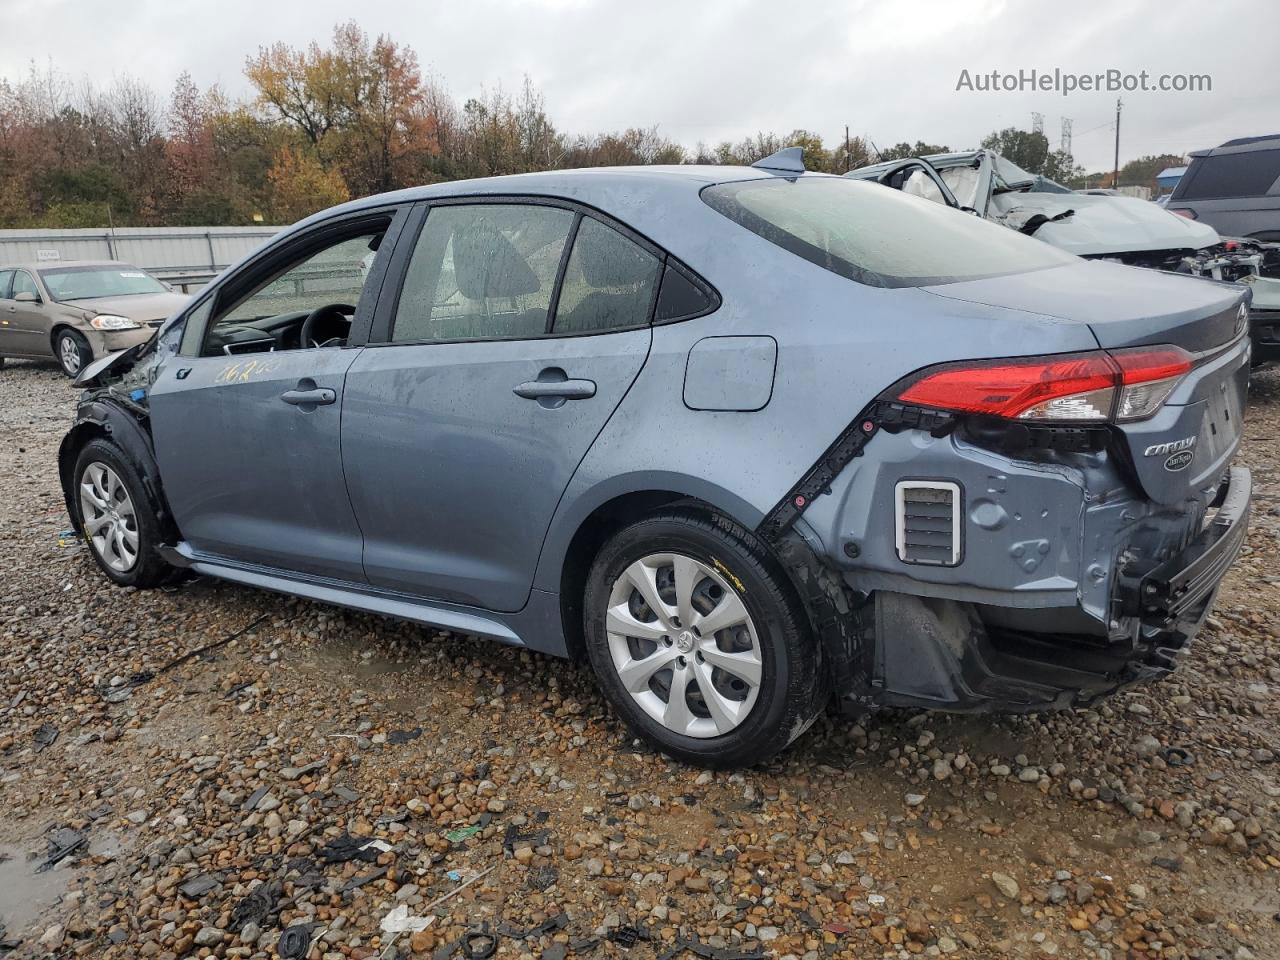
<point x="518" y="330"/>
<point x="247" y="426"/>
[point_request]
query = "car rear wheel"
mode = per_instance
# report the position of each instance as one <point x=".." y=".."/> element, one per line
<point x="116" y="518"/>
<point x="699" y="643"/>
<point x="72" y="351"/>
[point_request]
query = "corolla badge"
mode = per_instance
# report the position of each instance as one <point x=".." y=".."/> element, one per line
<point x="1179" y="461"/>
<point x="1173" y="446"/>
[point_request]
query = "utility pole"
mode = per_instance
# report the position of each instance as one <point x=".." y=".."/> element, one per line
<point x="848" y="155"/>
<point x="1115" y="177"/>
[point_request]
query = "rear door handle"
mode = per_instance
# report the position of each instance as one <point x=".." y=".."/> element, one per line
<point x="553" y="388"/>
<point x="556" y="389"/>
<point x="315" y="398"/>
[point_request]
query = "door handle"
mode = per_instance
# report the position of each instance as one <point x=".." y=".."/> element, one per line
<point x="556" y="389"/>
<point x="312" y="398"/>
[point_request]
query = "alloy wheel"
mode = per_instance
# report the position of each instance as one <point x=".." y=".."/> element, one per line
<point x="684" y="645"/>
<point x="110" y="520"/>
<point x="69" y="354"/>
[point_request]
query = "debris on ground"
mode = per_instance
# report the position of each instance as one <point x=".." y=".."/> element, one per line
<point x="294" y="942"/>
<point x="399" y="920"/>
<point x="62" y="842"/>
<point x="404" y="736"/>
<point x="44" y="736"/>
<point x="347" y="847"/>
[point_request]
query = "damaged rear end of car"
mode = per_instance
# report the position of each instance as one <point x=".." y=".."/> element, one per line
<point x="1038" y="511"/>
<point x="1035" y="532"/>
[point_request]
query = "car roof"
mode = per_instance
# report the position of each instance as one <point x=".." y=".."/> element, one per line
<point x="1270" y="141"/>
<point x="594" y="186"/>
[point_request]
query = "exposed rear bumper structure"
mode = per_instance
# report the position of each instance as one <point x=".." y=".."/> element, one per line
<point x="1167" y="594"/>
<point x="949" y="655"/>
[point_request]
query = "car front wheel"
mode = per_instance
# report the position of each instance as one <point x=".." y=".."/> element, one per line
<point x="72" y="351"/>
<point x="116" y="517"/>
<point x="699" y="643"/>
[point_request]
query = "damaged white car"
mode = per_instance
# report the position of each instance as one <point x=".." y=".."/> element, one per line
<point x="1118" y="228"/>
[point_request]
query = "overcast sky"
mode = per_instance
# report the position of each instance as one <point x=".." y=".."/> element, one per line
<point x="714" y="70"/>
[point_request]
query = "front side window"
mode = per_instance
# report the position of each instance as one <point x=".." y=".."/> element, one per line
<point x="23" y="283"/>
<point x="609" y="283"/>
<point x="483" y="271"/>
<point x="878" y="237"/>
<point x="90" y="283"/>
<point x="308" y="301"/>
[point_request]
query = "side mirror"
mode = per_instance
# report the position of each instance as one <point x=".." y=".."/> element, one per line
<point x="26" y="296"/>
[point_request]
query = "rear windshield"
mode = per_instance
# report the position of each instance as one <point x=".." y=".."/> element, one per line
<point x="878" y="236"/>
<point x="84" y="283"/>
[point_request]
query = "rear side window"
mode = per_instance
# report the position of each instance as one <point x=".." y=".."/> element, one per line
<point x="878" y="237"/>
<point x="610" y="282"/>
<point x="6" y="276"/>
<point x="1249" y="174"/>
<point x="482" y="271"/>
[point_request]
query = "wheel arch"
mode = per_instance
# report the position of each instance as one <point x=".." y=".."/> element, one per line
<point x="102" y="419"/>
<point x="56" y="329"/>
<point x="607" y="508"/>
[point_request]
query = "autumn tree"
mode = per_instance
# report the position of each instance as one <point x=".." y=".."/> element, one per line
<point x="300" y="185"/>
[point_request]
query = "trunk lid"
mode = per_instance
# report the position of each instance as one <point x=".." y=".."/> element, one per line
<point x="1181" y="451"/>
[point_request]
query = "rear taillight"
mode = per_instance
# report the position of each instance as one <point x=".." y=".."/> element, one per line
<point x="1147" y="377"/>
<point x="1095" y="387"/>
<point x="1183" y="212"/>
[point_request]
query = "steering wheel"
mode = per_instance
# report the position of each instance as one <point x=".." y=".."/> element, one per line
<point x="327" y="323"/>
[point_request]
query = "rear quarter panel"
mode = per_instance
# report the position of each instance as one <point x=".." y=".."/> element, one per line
<point x="839" y="345"/>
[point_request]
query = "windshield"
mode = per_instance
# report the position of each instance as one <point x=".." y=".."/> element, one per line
<point x="879" y="237"/>
<point x="83" y="283"/>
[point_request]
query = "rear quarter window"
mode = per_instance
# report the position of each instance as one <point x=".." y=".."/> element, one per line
<point x="876" y="236"/>
<point x="1249" y="174"/>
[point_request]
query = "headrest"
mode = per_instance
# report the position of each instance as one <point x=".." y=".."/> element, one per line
<point x="487" y="265"/>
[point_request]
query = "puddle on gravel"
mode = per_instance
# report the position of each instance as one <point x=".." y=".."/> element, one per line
<point x="25" y="894"/>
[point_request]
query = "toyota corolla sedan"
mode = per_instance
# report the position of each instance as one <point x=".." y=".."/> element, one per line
<point x="747" y="440"/>
<point x="78" y="310"/>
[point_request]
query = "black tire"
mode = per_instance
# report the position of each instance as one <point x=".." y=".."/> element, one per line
<point x="149" y="569"/>
<point x="69" y="342"/>
<point x="793" y="690"/>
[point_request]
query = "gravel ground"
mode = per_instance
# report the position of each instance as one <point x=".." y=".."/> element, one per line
<point x="210" y="802"/>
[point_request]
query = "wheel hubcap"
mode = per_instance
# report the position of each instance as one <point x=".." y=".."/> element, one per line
<point x="110" y="521"/>
<point x="70" y="354"/>
<point x="684" y="645"/>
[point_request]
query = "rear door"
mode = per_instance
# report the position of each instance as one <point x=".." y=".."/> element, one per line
<point x="247" y="424"/>
<point x="518" y="329"/>
<point x="29" y="324"/>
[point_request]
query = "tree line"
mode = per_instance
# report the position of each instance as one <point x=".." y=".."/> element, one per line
<point x="323" y="124"/>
